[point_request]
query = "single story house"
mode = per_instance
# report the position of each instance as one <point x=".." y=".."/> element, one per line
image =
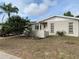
<point x="51" y="25"/>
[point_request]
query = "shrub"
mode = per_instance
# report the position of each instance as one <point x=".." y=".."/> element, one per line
<point x="60" y="33"/>
<point x="15" y="25"/>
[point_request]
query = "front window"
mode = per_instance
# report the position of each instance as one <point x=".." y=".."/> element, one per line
<point x="36" y="27"/>
<point x="45" y="25"/>
<point x="52" y="27"/>
<point x="71" y="28"/>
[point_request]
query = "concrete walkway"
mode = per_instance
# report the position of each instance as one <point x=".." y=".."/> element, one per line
<point x="7" y="56"/>
<point x="9" y="37"/>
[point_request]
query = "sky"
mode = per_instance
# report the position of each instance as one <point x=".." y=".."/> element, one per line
<point x="42" y="9"/>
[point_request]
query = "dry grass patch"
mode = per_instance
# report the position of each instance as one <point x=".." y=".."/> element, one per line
<point x="48" y="48"/>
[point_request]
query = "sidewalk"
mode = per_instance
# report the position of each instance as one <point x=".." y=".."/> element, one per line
<point x="9" y="37"/>
<point x="7" y="56"/>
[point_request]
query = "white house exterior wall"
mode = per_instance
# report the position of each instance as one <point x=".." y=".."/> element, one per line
<point x="62" y="24"/>
<point x="78" y="28"/>
<point x="39" y="33"/>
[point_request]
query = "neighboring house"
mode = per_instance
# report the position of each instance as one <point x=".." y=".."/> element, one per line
<point x="50" y="26"/>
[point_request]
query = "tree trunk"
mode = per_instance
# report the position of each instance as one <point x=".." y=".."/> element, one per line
<point x="3" y="18"/>
<point x="8" y="15"/>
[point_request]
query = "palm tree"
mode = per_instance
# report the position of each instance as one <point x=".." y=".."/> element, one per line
<point x="3" y="16"/>
<point x="8" y="9"/>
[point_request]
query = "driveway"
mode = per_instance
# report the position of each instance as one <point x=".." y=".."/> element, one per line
<point x="7" y="56"/>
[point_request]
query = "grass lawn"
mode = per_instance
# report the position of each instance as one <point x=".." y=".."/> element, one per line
<point x="48" y="48"/>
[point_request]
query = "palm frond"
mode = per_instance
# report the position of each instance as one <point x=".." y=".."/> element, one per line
<point x="1" y="12"/>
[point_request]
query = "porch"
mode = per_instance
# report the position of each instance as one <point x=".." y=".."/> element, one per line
<point x="39" y="30"/>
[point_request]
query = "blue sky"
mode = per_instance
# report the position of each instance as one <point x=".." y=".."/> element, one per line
<point x="41" y="9"/>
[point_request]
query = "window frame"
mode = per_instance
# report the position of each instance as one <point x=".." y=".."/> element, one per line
<point x="70" y="27"/>
<point x="36" y="27"/>
<point x="52" y="27"/>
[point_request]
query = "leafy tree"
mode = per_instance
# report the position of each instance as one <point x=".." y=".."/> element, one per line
<point x="28" y="28"/>
<point x="15" y="25"/>
<point x="5" y="29"/>
<point x="8" y="8"/>
<point x="68" y="14"/>
<point x="77" y="16"/>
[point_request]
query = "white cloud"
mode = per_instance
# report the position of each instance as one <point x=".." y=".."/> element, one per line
<point x="32" y="8"/>
<point x="35" y="9"/>
<point x="50" y="2"/>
